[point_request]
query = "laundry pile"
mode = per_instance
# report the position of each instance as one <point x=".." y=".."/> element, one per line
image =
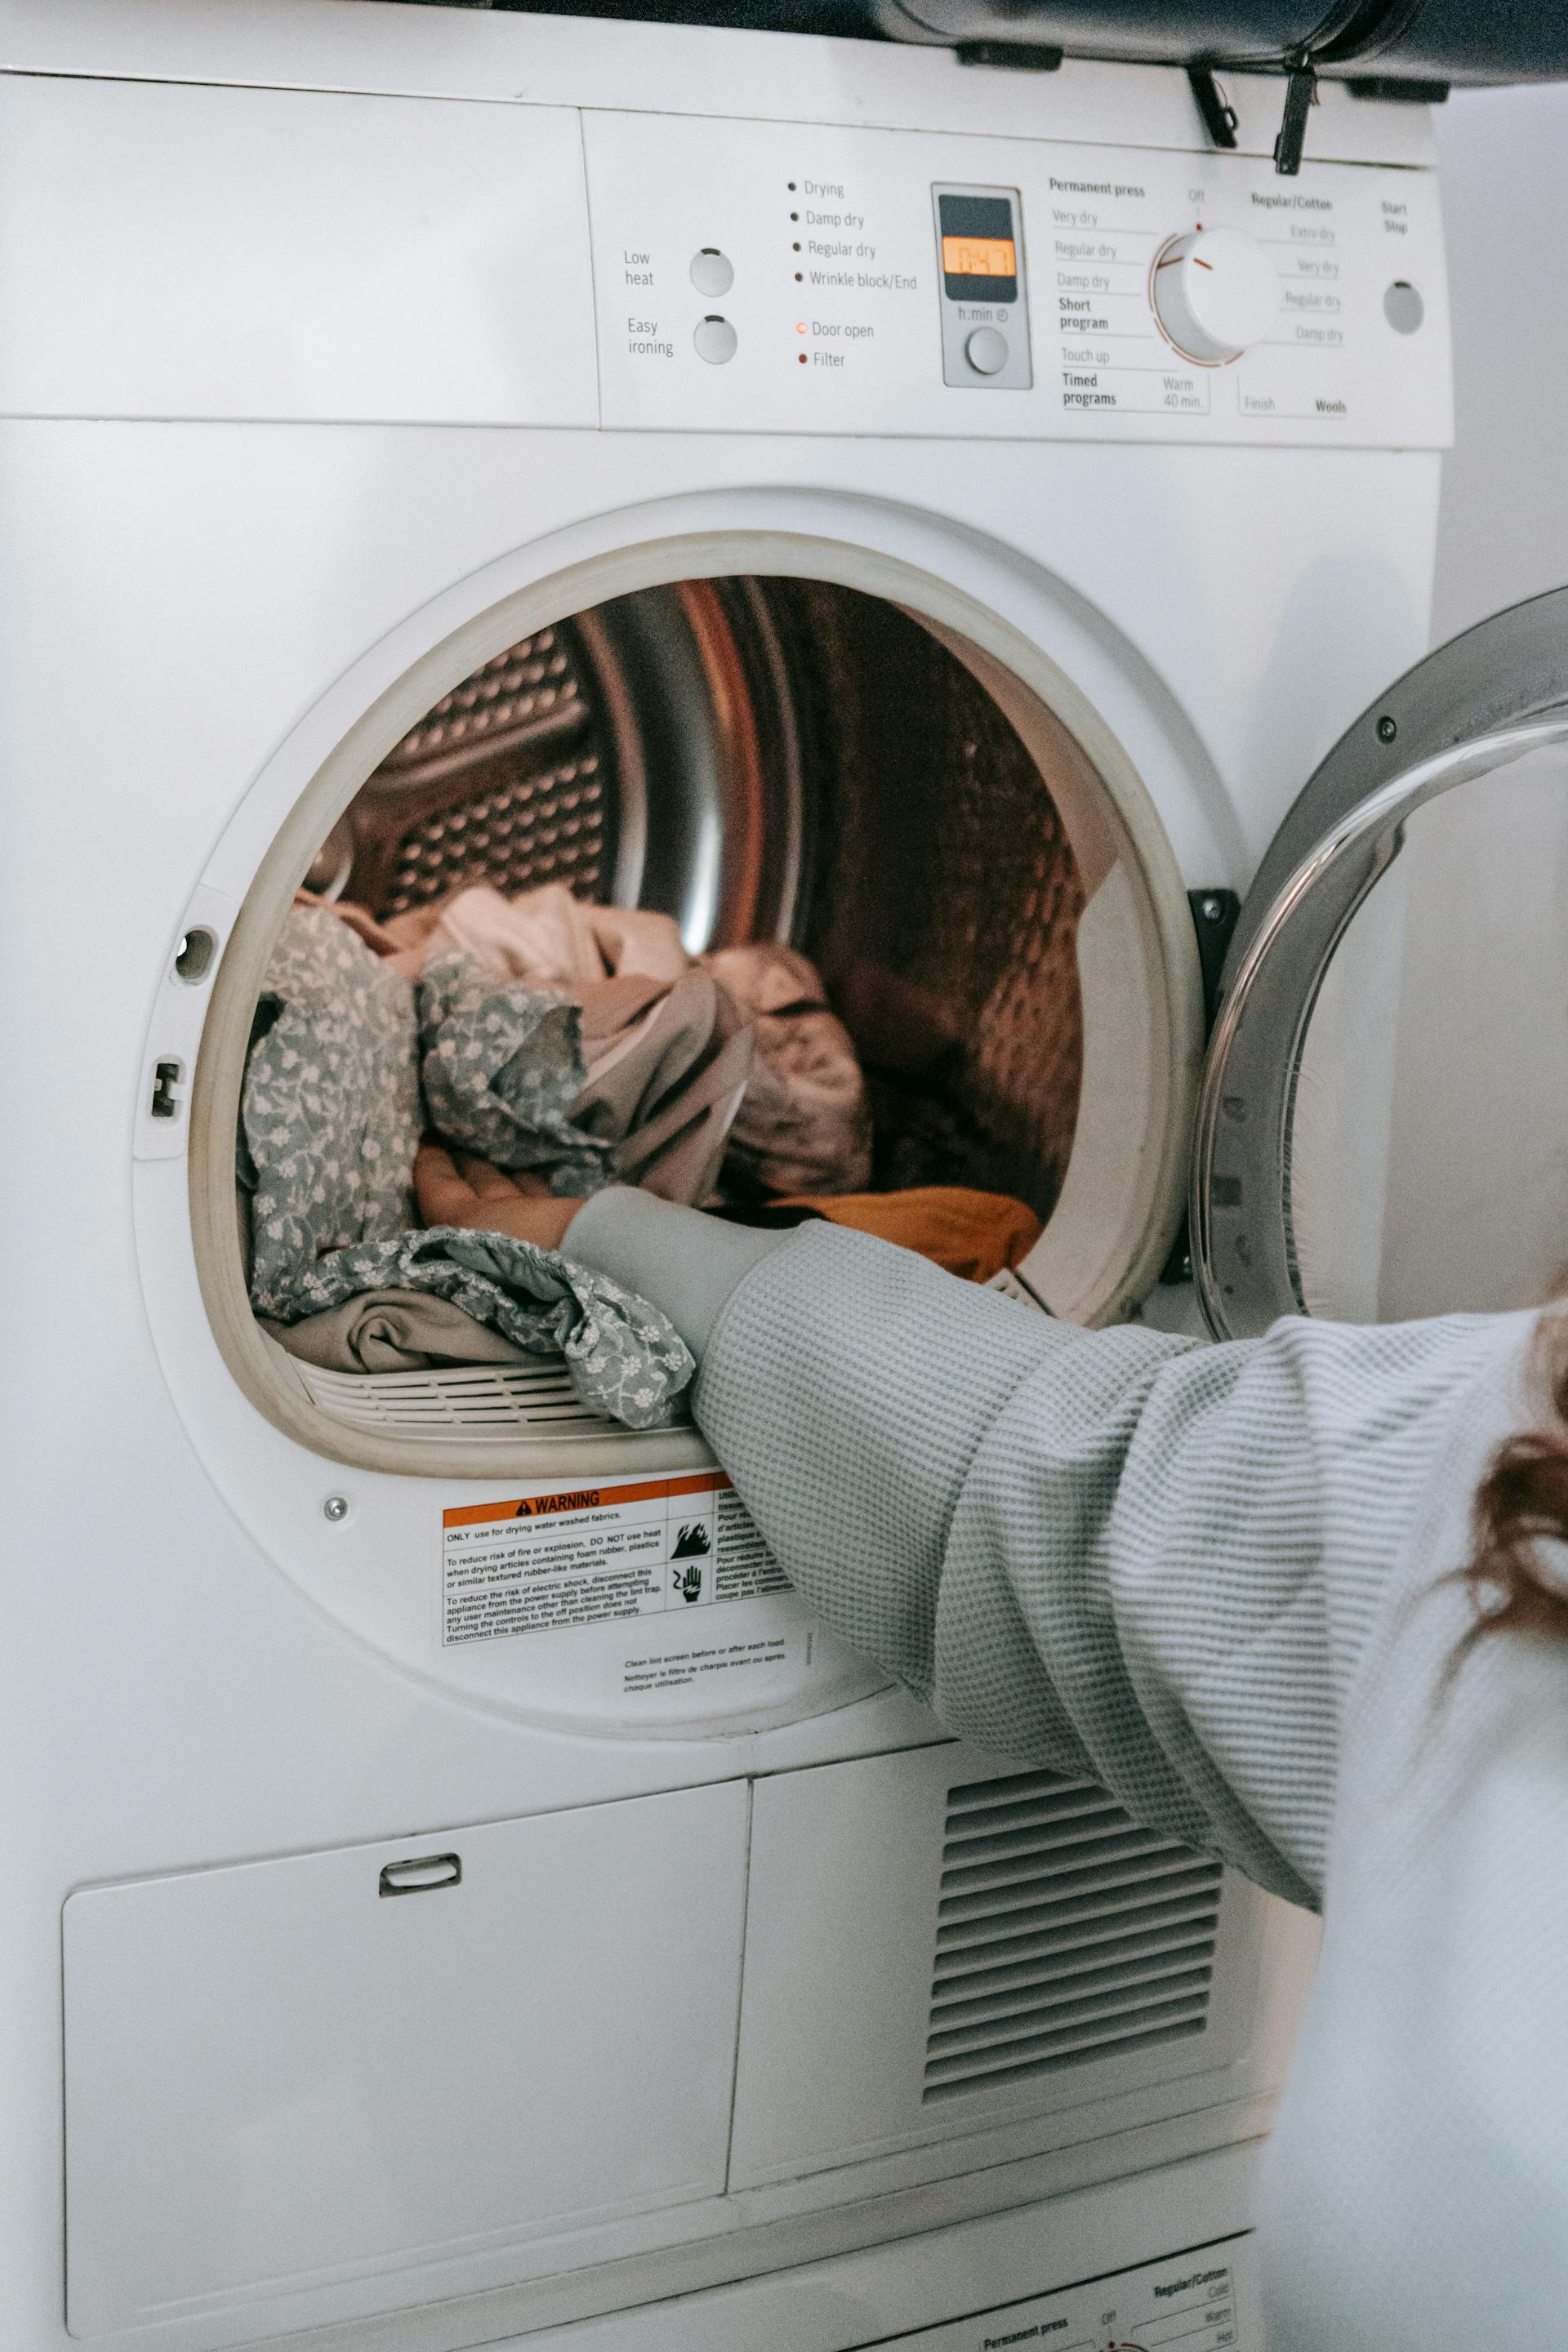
<point x="578" y="1045"/>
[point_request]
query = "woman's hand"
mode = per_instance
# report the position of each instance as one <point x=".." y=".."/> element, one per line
<point x="472" y="1193"/>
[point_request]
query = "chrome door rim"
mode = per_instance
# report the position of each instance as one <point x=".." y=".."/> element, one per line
<point x="1244" y="1260"/>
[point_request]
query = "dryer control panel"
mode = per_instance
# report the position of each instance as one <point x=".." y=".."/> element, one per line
<point x="802" y="278"/>
<point x="1201" y="2302"/>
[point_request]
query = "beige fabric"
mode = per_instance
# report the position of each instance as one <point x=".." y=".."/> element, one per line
<point x="544" y="935"/>
<point x="667" y="1052"/>
<point x="632" y="940"/>
<point x="805" y="1123"/>
<point x="612" y="1011"/>
<point x="668" y="1091"/>
<point x="670" y="1082"/>
<point x="393" y="1331"/>
<point x="678" y="1151"/>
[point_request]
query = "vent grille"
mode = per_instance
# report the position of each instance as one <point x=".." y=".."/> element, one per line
<point x="1065" y="1935"/>
<point x="499" y="1400"/>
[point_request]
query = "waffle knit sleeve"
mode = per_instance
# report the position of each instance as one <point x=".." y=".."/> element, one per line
<point x="1116" y="1553"/>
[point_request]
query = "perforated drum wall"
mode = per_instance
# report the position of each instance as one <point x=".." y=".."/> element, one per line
<point x="778" y="758"/>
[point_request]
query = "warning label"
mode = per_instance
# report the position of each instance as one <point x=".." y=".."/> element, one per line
<point x="589" y="1555"/>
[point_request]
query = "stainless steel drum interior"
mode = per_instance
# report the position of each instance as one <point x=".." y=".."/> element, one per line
<point x="777" y="758"/>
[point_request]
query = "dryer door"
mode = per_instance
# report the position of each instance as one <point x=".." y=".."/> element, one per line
<point x="1420" y="949"/>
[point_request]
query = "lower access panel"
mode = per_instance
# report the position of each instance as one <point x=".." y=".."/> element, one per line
<point x="287" y="2072"/>
<point x="1205" y="2301"/>
<point x="1018" y="1951"/>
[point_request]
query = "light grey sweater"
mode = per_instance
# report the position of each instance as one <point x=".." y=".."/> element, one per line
<point x="1222" y="1580"/>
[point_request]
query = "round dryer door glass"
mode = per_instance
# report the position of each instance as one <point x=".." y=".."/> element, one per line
<point x="1382" y="1122"/>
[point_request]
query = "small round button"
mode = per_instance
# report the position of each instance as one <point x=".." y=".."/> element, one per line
<point x="1403" y="307"/>
<point x="986" y="350"/>
<point x="713" y="272"/>
<point x="715" y="339"/>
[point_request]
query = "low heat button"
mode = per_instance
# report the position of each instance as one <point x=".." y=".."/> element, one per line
<point x="713" y="272"/>
<point x="716" y="339"/>
<point x="1214" y="293"/>
<point x="986" y="350"/>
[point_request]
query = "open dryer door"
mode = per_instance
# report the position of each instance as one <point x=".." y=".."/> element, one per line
<point x="1488" y="711"/>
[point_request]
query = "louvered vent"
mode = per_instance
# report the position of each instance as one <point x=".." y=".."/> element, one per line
<point x="1065" y="1935"/>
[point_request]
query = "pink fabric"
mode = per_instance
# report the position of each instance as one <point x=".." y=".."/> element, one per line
<point x="805" y="1123"/>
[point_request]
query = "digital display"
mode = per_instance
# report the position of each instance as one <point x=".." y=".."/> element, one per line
<point x="979" y="241"/>
<point x="979" y="256"/>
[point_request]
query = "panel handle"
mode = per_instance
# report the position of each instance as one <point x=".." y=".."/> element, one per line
<point x="421" y="1874"/>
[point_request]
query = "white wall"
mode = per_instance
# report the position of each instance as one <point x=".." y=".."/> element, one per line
<point x="1505" y="182"/>
<point x="1477" y="1204"/>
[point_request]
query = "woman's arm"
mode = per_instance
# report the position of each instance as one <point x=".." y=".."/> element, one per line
<point x="1116" y="1553"/>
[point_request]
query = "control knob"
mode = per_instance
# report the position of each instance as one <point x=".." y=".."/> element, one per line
<point x="1215" y="292"/>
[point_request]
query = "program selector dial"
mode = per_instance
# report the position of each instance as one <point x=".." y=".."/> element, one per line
<point x="1215" y="293"/>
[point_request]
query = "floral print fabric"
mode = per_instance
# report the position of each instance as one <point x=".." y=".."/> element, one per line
<point x="331" y="1118"/>
<point x="626" y="1359"/>
<point x="502" y="1066"/>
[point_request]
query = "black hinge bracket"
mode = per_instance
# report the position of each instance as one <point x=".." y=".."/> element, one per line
<point x="1215" y="914"/>
<point x="1220" y="118"/>
<point x="1023" y="57"/>
<point x="1403" y="93"/>
<point x="1213" y="920"/>
<point x="1300" y="94"/>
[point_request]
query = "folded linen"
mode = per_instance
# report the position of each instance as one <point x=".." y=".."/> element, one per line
<point x="393" y="1331"/>
<point x="626" y="1359"/>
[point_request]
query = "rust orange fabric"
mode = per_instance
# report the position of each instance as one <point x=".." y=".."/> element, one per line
<point x="973" y="1234"/>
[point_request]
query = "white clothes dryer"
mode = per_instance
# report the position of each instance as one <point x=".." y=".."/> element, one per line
<point x="816" y="489"/>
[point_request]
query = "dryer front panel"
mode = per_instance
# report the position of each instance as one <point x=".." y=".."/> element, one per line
<point x="181" y="251"/>
<point x="424" y="261"/>
<point x="1205" y="2301"/>
<point x="887" y="282"/>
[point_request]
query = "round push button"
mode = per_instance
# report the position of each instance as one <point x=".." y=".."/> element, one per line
<point x="986" y="350"/>
<point x="713" y="272"/>
<point x="715" y="339"/>
<point x="1403" y="307"/>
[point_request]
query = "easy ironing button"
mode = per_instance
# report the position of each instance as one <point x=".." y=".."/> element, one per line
<point x="986" y="350"/>
<point x="715" y="339"/>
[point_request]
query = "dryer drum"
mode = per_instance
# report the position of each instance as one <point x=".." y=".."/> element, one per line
<point x="763" y="758"/>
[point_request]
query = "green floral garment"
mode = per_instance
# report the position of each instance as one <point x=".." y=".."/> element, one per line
<point x="501" y="1063"/>
<point x="331" y="1118"/>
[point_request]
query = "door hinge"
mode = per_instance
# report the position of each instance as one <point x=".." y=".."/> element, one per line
<point x="1023" y="57"/>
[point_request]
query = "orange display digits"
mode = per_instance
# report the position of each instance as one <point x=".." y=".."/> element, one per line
<point x="979" y="256"/>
